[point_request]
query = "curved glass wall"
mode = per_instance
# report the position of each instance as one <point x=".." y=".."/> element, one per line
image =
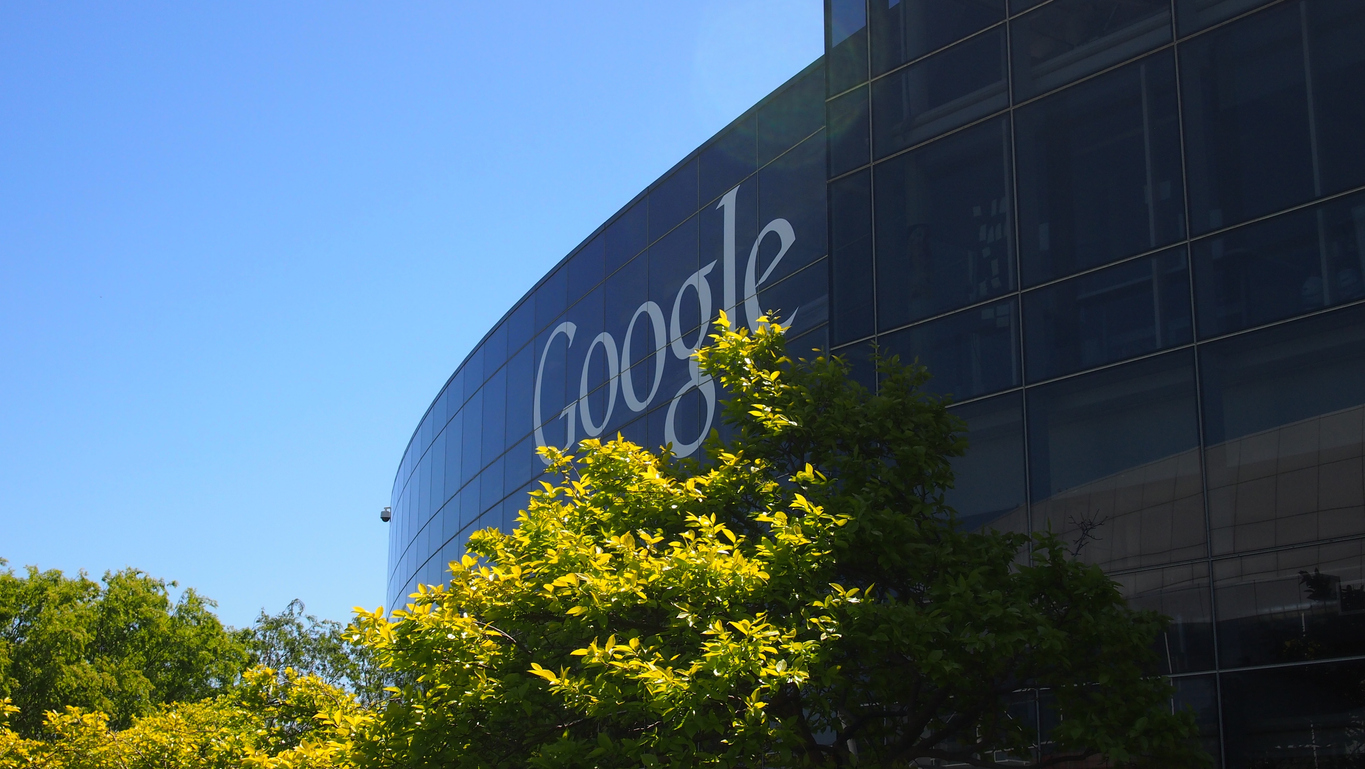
<point x="1128" y="237"/>
<point x="603" y="343"/>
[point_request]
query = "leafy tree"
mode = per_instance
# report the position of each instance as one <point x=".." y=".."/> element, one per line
<point x="298" y="641"/>
<point x="270" y="721"/>
<point x="802" y="598"/>
<point x="118" y="646"/>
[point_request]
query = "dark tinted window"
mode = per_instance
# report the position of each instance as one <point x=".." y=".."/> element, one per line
<point x="740" y="213"/>
<point x="471" y="431"/>
<point x="970" y="353"/>
<point x="852" y="310"/>
<point x="490" y="489"/>
<point x="792" y="115"/>
<point x="521" y="325"/>
<point x="472" y="371"/>
<point x="1290" y="604"/>
<point x="845" y="43"/>
<point x="943" y="226"/>
<point x="792" y="188"/>
<point x="1335" y="31"/>
<point x="1103" y="317"/>
<point x="627" y="236"/>
<point x="521" y="376"/>
<point x="1283" y="411"/>
<point x="1181" y="593"/>
<point x="1307" y="715"/>
<point x="495" y="350"/>
<point x="801" y="301"/>
<point x="990" y="477"/>
<point x="862" y="367"/>
<point x="728" y="159"/>
<point x="673" y="200"/>
<point x="1274" y="269"/>
<point x="907" y="29"/>
<point x="494" y="415"/>
<point x="586" y="267"/>
<point x="942" y="92"/>
<point x="672" y="261"/>
<point x="552" y="360"/>
<point x="550" y="299"/>
<point x="1245" y="104"/>
<point x="1069" y="39"/>
<point x="1194" y="15"/>
<point x="1114" y="462"/>
<point x="849" y="143"/>
<point x="1099" y="171"/>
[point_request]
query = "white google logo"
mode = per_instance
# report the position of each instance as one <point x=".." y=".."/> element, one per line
<point x="667" y="337"/>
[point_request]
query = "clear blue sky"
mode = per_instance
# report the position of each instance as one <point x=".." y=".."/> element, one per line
<point x="242" y="245"/>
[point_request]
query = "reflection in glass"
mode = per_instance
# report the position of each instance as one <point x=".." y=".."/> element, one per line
<point x="1194" y="15"/>
<point x="1335" y="29"/>
<point x="1099" y="171"/>
<point x="852" y="311"/>
<point x="940" y="93"/>
<point x="1181" y="593"/>
<point x="1245" y="100"/>
<point x="907" y="29"/>
<point x="1070" y="39"/>
<point x="1114" y="463"/>
<point x="989" y="490"/>
<point x="1273" y="269"/>
<point x="1294" y="605"/>
<point x="1102" y="317"/>
<point x="792" y="115"/>
<point x="1301" y="716"/>
<point x="970" y="353"/>
<point x="847" y="137"/>
<point x="1283" y="412"/>
<point x="943" y="226"/>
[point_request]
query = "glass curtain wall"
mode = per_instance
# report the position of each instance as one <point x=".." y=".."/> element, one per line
<point x="1128" y="238"/>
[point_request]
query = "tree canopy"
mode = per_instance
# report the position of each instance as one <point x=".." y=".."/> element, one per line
<point x="801" y="597"/>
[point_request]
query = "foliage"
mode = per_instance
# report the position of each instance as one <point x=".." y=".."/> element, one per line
<point x="803" y="598"/>
<point x="295" y="640"/>
<point x="118" y="646"/>
<point x="272" y="721"/>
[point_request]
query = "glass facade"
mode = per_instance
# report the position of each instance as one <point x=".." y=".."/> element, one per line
<point x="1126" y="236"/>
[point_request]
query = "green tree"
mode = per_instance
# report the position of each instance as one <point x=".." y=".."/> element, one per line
<point x="298" y="641"/>
<point x="118" y="646"/>
<point x="804" y="597"/>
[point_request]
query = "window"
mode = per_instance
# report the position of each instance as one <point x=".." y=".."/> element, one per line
<point x="907" y="29"/>
<point x="1069" y="39"/>
<point x="970" y="353"/>
<point x="989" y="490"/>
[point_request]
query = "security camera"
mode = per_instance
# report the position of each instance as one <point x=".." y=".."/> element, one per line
<point x="385" y="514"/>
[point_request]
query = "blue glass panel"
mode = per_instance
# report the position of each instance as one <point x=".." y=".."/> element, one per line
<point x="437" y="493"/>
<point x="1245" y="100"/>
<point x="490" y="486"/>
<point x="940" y="93"/>
<point x="1181" y="593"/>
<point x="793" y="114"/>
<point x="673" y="200"/>
<point x="727" y="160"/>
<point x="1103" y="317"/>
<point x="970" y="353"/>
<point x="627" y="236"/>
<point x="469" y="503"/>
<point x="1099" y="171"/>
<point x="1274" y="269"/>
<point x="862" y="367"/>
<point x="521" y="381"/>
<point x="847" y="136"/>
<point x="741" y="210"/>
<point x="472" y="372"/>
<point x="852" y="308"/>
<point x="1114" y="463"/>
<point x="801" y="301"/>
<point x="792" y="188"/>
<point x="944" y="226"/>
<point x="1194" y="15"/>
<point x="494" y="350"/>
<point x="1335" y="31"/>
<point x="672" y="260"/>
<point x="550" y="298"/>
<point x="494" y="415"/>
<point x="586" y="267"/>
<point x="1069" y="39"/>
<point x="523" y="465"/>
<point x="845" y="43"/>
<point x="907" y="29"/>
<point x="990" y="480"/>
<point x="471" y="437"/>
<point x="553" y="362"/>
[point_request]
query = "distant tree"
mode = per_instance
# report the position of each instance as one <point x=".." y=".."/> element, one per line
<point x="118" y="646"/>
<point x="802" y="598"/>
<point x="296" y="640"/>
